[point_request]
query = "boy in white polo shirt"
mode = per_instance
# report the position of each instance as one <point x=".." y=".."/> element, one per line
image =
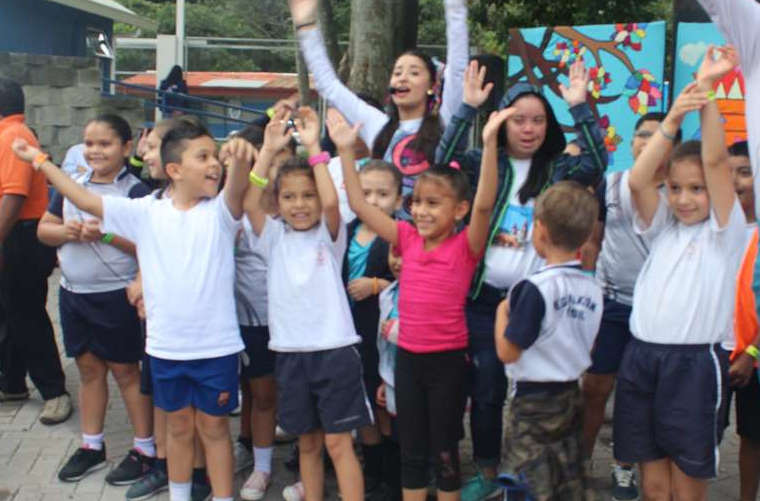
<point x="544" y="333"/>
<point x="672" y="380"/>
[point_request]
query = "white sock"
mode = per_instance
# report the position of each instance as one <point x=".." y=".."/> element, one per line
<point x="180" y="492"/>
<point x="262" y="459"/>
<point x="220" y="499"/>
<point x="94" y="442"/>
<point x="146" y="446"/>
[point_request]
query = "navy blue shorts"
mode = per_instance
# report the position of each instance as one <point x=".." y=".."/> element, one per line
<point x="209" y="384"/>
<point x="102" y="323"/>
<point x="614" y="335"/>
<point x="669" y="403"/>
<point x="258" y="359"/>
<point x="321" y="390"/>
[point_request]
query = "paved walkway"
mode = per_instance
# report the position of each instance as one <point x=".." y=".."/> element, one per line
<point x="31" y="454"/>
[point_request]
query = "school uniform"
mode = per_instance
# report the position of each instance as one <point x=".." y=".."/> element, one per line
<point x="554" y="318"/>
<point x="317" y="368"/>
<point x="187" y="263"/>
<point x="672" y="382"/>
<point x="95" y="314"/>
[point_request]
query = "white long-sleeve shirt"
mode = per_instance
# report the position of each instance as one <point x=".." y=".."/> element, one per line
<point x="355" y="109"/>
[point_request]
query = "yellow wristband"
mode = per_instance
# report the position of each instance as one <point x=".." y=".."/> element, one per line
<point x="40" y="159"/>
<point x="711" y="95"/>
<point x="270" y="112"/>
<point x="752" y="351"/>
<point x="255" y="180"/>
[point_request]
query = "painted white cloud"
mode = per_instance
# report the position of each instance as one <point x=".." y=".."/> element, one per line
<point x="692" y="53"/>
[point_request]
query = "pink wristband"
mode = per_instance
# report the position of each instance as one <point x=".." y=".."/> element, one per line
<point x="319" y="158"/>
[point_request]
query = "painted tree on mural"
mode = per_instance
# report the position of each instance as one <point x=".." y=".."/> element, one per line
<point x="543" y="62"/>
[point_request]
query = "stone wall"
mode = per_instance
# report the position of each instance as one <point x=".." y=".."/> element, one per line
<point x="62" y="95"/>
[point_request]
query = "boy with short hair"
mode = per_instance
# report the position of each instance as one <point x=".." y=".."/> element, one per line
<point x="555" y="315"/>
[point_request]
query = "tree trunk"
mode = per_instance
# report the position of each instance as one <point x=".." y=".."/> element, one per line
<point x="371" y="46"/>
<point x="405" y="26"/>
<point x="329" y="32"/>
<point x="303" y="79"/>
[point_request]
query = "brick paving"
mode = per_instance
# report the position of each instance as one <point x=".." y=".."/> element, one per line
<point x="31" y="453"/>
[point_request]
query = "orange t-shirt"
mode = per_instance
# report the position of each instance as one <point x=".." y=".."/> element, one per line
<point x="745" y="315"/>
<point x="18" y="177"/>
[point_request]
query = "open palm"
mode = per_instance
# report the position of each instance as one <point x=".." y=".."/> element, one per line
<point x="579" y="77"/>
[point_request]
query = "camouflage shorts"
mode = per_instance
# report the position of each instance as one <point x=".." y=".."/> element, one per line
<point x="543" y="444"/>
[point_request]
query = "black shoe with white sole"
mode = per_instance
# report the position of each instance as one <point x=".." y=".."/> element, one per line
<point x="83" y="462"/>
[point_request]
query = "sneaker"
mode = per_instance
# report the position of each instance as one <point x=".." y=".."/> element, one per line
<point x="151" y="484"/>
<point x="256" y="486"/>
<point x="478" y="488"/>
<point x="294" y="492"/>
<point x="83" y="462"/>
<point x="624" y="483"/>
<point x="131" y="469"/>
<point x="200" y="491"/>
<point x="243" y="457"/>
<point x="283" y="437"/>
<point x="13" y="397"/>
<point x="56" y="410"/>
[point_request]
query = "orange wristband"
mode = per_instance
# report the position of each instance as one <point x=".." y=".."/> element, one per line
<point x="375" y="287"/>
<point x="40" y="159"/>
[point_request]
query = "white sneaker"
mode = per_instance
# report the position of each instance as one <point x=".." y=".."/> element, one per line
<point x="294" y="492"/>
<point x="256" y="486"/>
<point x="283" y="437"/>
<point x="243" y="457"/>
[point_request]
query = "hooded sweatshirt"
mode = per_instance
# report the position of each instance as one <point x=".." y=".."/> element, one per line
<point x="510" y="255"/>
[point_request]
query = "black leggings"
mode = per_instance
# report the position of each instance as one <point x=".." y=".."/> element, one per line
<point x="431" y="389"/>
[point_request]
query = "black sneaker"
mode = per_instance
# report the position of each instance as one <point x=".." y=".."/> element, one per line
<point x="131" y="469"/>
<point x="83" y="462"/>
<point x="151" y="484"/>
<point x="200" y="491"/>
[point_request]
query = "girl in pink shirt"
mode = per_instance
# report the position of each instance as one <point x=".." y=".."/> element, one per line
<point x="438" y="266"/>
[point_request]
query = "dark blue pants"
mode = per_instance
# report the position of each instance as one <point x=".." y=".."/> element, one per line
<point x="488" y="385"/>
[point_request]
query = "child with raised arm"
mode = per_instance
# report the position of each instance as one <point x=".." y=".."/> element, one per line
<point x="672" y="381"/>
<point x="438" y="266"/>
<point x="321" y="397"/>
<point x="185" y="250"/>
<point x="544" y="333"/>
<point x="408" y="134"/>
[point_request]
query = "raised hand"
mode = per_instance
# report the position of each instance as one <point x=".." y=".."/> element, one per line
<point x="493" y="126"/>
<point x="24" y="150"/>
<point x="475" y="93"/>
<point x="277" y="135"/>
<point x="307" y="125"/>
<point x="717" y="62"/>
<point x="690" y="99"/>
<point x="579" y="77"/>
<point x="303" y="11"/>
<point x="238" y="152"/>
<point x="341" y="132"/>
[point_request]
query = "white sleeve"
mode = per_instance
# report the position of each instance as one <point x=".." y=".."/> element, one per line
<point x="734" y="233"/>
<point x="457" y="58"/>
<point x="125" y="216"/>
<point x="270" y="235"/>
<point x="739" y="21"/>
<point x="659" y="221"/>
<point x="337" y="246"/>
<point x="225" y="216"/>
<point x="334" y="92"/>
